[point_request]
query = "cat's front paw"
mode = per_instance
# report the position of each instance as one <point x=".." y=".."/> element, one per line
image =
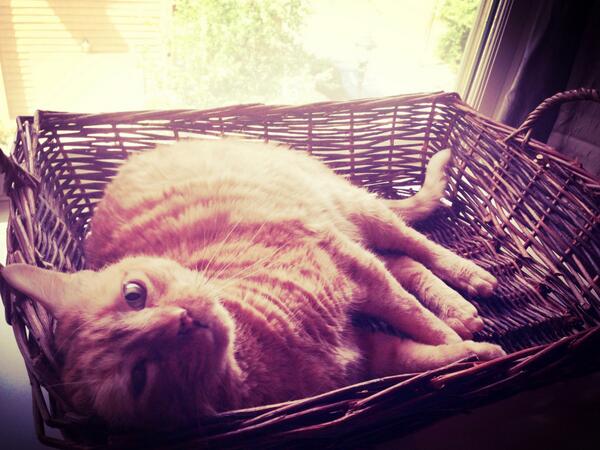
<point x="485" y="351"/>
<point x="481" y="282"/>
<point x="458" y="313"/>
<point x="467" y="275"/>
<point x="465" y="327"/>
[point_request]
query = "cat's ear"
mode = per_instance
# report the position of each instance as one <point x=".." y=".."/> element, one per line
<point x="57" y="291"/>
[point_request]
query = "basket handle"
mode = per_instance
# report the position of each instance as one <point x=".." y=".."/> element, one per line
<point x="557" y="99"/>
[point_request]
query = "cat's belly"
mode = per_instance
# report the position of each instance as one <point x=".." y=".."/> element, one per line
<point x="278" y="372"/>
<point x="294" y="336"/>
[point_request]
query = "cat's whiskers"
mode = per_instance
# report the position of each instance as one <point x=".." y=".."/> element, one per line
<point x="258" y="262"/>
<point x="255" y="265"/>
<point x="236" y="277"/>
<point x="222" y="244"/>
<point x="250" y="243"/>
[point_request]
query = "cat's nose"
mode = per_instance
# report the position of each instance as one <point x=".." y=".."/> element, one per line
<point x="187" y="323"/>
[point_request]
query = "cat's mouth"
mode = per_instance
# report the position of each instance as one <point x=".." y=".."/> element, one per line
<point x="189" y="324"/>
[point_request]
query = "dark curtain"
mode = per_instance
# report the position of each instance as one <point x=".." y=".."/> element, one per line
<point x="575" y="131"/>
<point x="547" y="62"/>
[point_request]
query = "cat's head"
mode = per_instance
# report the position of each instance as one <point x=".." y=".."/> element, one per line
<point x="144" y="341"/>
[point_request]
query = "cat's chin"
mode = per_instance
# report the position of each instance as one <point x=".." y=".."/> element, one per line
<point x="210" y="331"/>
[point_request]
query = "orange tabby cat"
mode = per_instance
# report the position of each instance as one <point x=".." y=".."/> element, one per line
<point x="223" y="275"/>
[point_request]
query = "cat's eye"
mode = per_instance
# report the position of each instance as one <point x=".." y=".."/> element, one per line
<point x="134" y="293"/>
<point x="138" y="378"/>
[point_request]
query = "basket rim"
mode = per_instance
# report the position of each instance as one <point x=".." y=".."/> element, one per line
<point x="47" y="119"/>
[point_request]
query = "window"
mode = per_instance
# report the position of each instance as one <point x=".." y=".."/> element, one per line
<point x="92" y="56"/>
<point x="297" y="51"/>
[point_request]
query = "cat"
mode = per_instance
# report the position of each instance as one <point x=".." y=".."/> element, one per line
<point x="222" y="274"/>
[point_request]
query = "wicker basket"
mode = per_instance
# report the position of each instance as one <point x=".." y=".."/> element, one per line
<point x="518" y="208"/>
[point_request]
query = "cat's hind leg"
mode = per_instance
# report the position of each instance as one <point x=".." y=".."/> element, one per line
<point x="388" y="355"/>
<point x="438" y="297"/>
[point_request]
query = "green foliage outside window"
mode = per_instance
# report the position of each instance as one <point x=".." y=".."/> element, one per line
<point x="459" y="16"/>
<point x="225" y="50"/>
<point x="220" y="52"/>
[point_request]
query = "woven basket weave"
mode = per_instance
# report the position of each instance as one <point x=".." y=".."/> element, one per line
<point x="518" y="208"/>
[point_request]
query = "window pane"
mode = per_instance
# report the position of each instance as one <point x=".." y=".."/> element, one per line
<point x="93" y="56"/>
<point x="296" y="51"/>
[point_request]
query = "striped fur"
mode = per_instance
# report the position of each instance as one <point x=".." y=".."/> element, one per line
<point x="254" y="257"/>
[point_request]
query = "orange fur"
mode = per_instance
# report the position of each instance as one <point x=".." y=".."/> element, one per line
<point x="254" y="257"/>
